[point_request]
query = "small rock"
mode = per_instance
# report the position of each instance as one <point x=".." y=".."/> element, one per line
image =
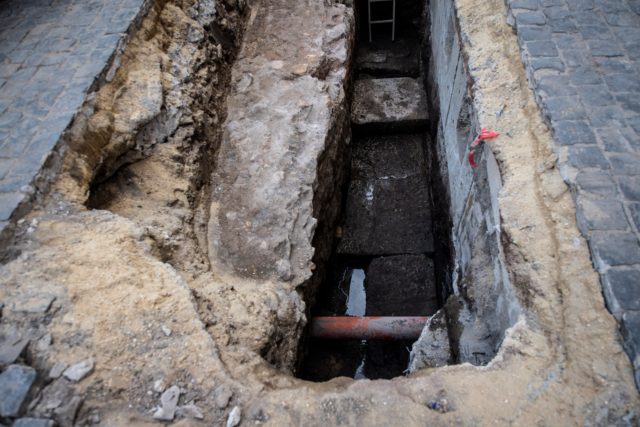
<point x="190" y="410"/>
<point x="80" y="370"/>
<point x="33" y="422"/>
<point x="57" y="370"/>
<point x="12" y="344"/>
<point x="15" y="383"/>
<point x="169" y="403"/>
<point x="32" y="303"/>
<point x="159" y="386"/>
<point x="165" y="330"/>
<point x="234" y="417"/>
<point x="53" y="396"/>
<point x="66" y="414"/>
<point x="93" y="417"/>
<point x="222" y="396"/>
<point x="44" y="343"/>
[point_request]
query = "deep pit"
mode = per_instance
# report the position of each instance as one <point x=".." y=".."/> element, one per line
<point x="388" y="235"/>
<point x="382" y="260"/>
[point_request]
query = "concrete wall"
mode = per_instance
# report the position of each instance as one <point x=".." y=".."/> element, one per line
<point x="481" y="305"/>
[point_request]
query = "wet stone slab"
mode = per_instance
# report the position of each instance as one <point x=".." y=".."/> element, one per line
<point x="402" y="285"/>
<point x="389" y="105"/>
<point x="387" y="209"/>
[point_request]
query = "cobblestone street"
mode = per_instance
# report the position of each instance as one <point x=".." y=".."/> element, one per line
<point x="50" y="54"/>
<point x="583" y="62"/>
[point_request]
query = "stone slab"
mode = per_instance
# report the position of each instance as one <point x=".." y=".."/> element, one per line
<point x="402" y="285"/>
<point x="388" y="59"/>
<point x="387" y="217"/>
<point x="388" y="156"/>
<point x="392" y="104"/>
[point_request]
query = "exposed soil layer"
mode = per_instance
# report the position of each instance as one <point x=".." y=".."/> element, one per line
<point x="120" y="283"/>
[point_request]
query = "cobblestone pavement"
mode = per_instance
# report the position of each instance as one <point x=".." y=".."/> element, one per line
<point x="50" y="53"/>
<point x="583" y="60"/>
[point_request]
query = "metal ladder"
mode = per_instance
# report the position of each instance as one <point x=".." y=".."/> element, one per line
<point x="391" y="21"/>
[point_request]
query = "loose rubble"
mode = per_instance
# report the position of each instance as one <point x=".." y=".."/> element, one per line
<point x="235" y="416"/>
<point x="78" y="371"/>
<point x="15" y="383"/>
<point x="168" y="404"/>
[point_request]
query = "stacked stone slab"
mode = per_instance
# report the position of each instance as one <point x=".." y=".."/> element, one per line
<point x="388" y="214"/>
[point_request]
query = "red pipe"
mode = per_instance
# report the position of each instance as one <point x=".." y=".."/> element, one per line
<point x="368" y="328"/>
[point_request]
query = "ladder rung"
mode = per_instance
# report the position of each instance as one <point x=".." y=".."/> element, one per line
<point x="382" y="21"/>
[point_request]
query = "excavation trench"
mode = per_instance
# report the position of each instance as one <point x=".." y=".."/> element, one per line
<point x="243" y="179"/>
<point x="380" y="204"/>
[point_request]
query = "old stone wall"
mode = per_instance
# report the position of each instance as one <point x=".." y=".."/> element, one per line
<point x="482" y="305"/>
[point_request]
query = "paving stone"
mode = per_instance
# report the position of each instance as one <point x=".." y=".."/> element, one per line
<point x="585" y="76"/>
<point x="563" y="26"/>
<point x="623" y="82"/>
<point x="533" y="33"/>
<point x="565" y="108"/>
<point x="625" y="164"/>
<point x="525" y="4"/>
<point x="556" y="86"/>
<point x="622" y="19"/>
<point x="547" y="64"/>
<point x="15" y="383"/>
<point x="608" y="116"/>
<point x="414" y="274"/>
<point x="595" y="95"/>
<point x="634" y="209"/>
<point x="630" y="186"/>
<point x="542" y="48"/>
<point x="587" y="157"/>
<point x="557" y="12"/>
<point x="587" y="18"/>
<point x="605" y="48"/>
<point x="596" y="32"/>
<point x="389" y="104"/>
<point x="530" y="18"/>
<point x="613" y="140"/>
<point x="573" y="132"/>
<point x="623" y="284"/>
<point x="629" y="101"/>
<point x="600" y="215"/>
<point x="613" y="248"/>
<point x="596" y="183"/>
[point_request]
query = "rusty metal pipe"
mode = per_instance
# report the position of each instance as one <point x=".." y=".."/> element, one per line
<point x="368" y="328"/>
